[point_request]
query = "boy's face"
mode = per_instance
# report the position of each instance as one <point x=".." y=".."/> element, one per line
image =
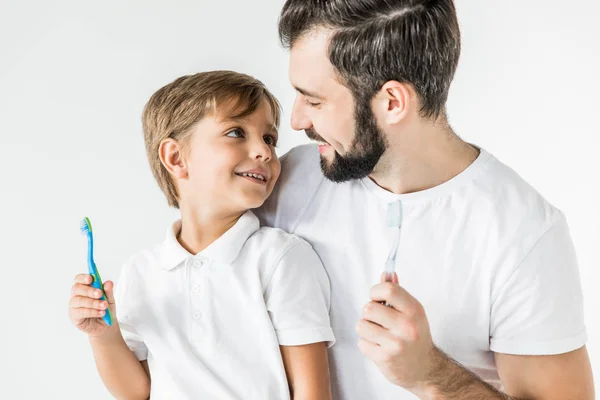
<point x="232" y="164"/>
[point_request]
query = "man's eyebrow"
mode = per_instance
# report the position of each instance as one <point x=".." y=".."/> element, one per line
<point x="307" y="93"/>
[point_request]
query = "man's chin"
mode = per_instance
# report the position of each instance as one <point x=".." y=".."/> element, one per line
<point x="331" y="170"/>
<point x="340" y="169"/>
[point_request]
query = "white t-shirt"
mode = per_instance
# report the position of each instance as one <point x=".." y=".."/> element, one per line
<point x="490" y="260"/>
<point x="210" y="325"/>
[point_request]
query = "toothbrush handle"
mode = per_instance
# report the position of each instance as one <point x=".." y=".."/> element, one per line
<point x="97" y="284"/>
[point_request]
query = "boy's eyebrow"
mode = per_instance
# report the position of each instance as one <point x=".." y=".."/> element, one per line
<point x="271" y="127"/>
<point x="308" y="93"/>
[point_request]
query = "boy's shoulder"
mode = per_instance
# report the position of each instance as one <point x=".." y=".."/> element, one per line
<point x="165" y="254"/>
<point x="274" y="242"/>
<point x="144" y="259"/>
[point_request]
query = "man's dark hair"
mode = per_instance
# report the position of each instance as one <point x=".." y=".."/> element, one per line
<point x="375" y="41"/>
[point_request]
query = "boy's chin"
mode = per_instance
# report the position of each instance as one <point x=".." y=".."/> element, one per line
<point x="250" y="201"/>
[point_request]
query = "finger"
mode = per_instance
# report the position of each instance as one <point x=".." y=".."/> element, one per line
<point x="83" y="313"/>
<point x="80" y="289"/>
<point x="85" y="279"/>
<point x="397" y="323"/>
<point x="109" y="287"/>
<point x="396" y="297"/>
<point x="370" y="350"/>
<point x="86" y="302"/>
<point x="374" y="333"/>
<point x="380" y="314"/>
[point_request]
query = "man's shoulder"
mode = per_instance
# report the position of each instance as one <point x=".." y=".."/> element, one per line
<point x="300" y="179"/>
<point x="511" y="203"/>
<point x="299" y="163"/>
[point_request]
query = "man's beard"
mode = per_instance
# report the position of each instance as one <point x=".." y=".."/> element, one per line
<point x="364" y="154"/>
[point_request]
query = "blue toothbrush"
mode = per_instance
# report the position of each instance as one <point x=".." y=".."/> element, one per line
<point x="86" y="228"/>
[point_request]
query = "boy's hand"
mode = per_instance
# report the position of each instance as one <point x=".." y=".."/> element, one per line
<point x="86" y="309"/>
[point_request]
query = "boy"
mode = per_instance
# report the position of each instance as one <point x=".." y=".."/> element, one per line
<point x="222" y="309"/>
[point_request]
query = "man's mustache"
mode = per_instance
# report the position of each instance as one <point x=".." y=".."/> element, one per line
<point x="314" y="135"/>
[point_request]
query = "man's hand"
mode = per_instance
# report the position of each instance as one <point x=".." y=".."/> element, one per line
<point x="397" y="337"/>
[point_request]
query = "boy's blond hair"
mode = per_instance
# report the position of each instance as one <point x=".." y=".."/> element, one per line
<point x="175" y="108"/>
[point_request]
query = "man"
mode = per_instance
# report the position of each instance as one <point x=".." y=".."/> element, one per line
<point x="487" y="300"/>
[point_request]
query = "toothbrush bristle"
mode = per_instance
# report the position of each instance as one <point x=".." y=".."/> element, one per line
<point x="85" y="225"/>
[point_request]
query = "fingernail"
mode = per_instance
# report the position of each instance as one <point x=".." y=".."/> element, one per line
<point x="101" y="313"/>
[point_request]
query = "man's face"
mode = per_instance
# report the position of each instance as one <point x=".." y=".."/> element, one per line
<point x="350" y="142"/>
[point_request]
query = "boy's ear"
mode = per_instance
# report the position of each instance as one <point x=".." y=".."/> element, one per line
<point x="171" y="157"/>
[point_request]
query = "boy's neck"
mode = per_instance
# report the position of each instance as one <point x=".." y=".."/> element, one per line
<point x="200" y="229"/>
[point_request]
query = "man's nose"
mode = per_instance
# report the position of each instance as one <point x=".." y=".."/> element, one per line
<point x="299" y="120"/>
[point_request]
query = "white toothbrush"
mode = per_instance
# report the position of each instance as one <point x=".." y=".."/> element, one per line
<point x="394" y="223"/>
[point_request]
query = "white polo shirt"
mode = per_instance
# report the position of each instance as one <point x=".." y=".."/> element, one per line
<point x="490" y="260"/>
<point x="210" y="325"/>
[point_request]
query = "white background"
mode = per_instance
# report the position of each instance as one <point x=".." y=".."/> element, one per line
<point x="74" y="77"/>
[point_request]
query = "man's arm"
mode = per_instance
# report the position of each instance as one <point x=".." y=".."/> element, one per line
<point x="398" y="340"/>
<point x="307" y="371"/>
<point x="561" y="377"/>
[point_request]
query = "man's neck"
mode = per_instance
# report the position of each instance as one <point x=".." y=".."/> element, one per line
<point x="200" y="228"/>
<point x="423" y="159"/>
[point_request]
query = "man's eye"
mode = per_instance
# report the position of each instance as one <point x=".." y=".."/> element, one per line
<point x="270" y="140"/>
<point x="235" y="133"/>
<point x="311" y="104"/>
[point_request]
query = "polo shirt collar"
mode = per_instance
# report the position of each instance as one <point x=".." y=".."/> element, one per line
<point x="224" y="250"/>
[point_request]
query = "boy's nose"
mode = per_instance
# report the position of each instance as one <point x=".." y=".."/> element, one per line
<point x="260" y="151"/>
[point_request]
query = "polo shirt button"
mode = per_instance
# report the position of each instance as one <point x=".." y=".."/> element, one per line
<point x="196" y="289"/>
<point x="197" y="263"/>
<point x="197" y="315"/>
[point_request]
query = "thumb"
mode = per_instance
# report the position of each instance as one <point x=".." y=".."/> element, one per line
<point x="109" y="291"/>
<point x="389" y="277"/>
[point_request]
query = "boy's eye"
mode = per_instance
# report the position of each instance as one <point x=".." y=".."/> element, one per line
<point x="270" y="140"/>
<point x="235" y="133"/>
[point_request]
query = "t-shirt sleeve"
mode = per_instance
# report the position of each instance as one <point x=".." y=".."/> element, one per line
<point x="125" y="313"/>
<point x="539" y="310"/>
<point x="298" y="298"/>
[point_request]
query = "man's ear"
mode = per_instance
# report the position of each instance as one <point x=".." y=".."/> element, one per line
<point x="393" y="101"/>
<point x="170" y="153"/>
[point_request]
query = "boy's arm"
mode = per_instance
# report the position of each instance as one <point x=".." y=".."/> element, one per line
<point x="298" y="298"/>
<point x="124" y="376"/>
<point x="121" y="354"/>
<point x="307" y="371"/>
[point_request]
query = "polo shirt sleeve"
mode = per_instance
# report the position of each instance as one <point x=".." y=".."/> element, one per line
<point x="539" y="309"/>
<point x="125" y="313"/>
<point x="298" y="298"/>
